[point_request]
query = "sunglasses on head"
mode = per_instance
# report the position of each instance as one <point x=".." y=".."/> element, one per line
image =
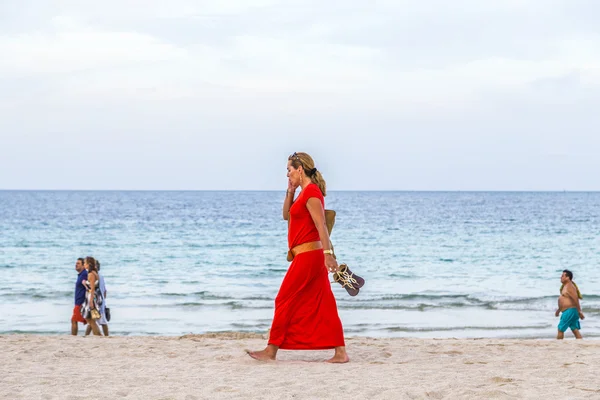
<point x="295" y="157"/>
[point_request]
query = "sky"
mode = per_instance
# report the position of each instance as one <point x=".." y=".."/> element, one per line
<point x="215" y="94"/>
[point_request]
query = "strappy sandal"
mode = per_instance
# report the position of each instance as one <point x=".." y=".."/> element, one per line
<point x="349" y="281"/>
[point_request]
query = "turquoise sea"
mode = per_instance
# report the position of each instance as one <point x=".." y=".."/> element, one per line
<point x="437" y="264"/>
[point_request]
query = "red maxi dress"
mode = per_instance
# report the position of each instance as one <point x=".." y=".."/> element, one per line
<point x="306" y="316"/>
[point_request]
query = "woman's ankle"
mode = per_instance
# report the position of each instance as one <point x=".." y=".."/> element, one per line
<point x="272" y="349"/>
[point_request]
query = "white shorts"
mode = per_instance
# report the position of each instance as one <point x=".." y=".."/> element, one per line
<point x="102" y="320"/>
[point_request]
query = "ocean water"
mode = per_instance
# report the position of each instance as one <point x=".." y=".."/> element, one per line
<point x="437" y="264"/>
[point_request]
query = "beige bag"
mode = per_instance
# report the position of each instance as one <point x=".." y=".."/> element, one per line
<point x="95" y="314"/>
<point x="329" y="220"/>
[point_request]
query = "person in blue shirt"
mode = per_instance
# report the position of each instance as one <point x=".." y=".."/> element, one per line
<point x="80" y="290"/>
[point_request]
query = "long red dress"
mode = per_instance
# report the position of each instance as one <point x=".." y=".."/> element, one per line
<point x="306" y="316"/>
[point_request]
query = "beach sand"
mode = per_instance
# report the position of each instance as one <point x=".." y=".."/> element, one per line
<point x="215" y="366"/>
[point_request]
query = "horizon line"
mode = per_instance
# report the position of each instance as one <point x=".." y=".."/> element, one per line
<point x="336" y="190"/>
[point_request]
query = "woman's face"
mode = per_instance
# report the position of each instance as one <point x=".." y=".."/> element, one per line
<point x="86" y="266"/>
<point x="293" y="174"/>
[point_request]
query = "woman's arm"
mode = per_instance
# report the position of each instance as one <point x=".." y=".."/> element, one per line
<point x="289" y="200"/>
<point x="287" y="203"/>
<point x="92" y="281"/>
<point x="317" y="213"/>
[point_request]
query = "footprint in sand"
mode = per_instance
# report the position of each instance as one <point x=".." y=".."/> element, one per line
<point x="498" y="379"/>
<point x="450" y="353"/>
<point x="61" y="354"/>
<point x="435" y="395"/>
<point x="225" y="389"/>
<point x="569" y="364"/>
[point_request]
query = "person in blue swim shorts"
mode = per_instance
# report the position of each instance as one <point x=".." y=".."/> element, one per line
<point x="568" y="304"/>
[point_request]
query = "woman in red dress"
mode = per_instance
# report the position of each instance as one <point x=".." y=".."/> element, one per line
<point x="306" y="316"/>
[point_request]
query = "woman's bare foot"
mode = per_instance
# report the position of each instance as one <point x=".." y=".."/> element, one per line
<point x="340" y="356"/>
<point x="268" y="354"/>
<point x="338" y="359"/>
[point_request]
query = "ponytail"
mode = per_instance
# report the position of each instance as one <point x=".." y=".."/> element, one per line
<point x="318" y="179"/>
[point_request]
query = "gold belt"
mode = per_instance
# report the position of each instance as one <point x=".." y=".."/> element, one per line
<point x="303" y="248"/>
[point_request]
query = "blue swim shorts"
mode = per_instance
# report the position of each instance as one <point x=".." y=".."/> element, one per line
<point x="569" y="320"/>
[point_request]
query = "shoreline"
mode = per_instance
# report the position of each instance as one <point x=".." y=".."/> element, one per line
<point x="215" y="366"/>
<point x="228" y="334"/>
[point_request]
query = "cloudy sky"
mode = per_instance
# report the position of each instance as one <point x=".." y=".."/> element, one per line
<point x="215" y="94"/>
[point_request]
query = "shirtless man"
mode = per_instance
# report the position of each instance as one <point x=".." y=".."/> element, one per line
<point x="568" y="304"/>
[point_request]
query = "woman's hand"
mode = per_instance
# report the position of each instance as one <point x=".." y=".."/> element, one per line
<point x="289" y="200"/>
<point x="331" y="263"/>
<point x="291" y="188"/>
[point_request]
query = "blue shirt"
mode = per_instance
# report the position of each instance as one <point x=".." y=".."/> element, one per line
<point x="79" y="288"/>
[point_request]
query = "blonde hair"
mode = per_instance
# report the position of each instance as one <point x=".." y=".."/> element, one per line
<point x="308" y="164"/>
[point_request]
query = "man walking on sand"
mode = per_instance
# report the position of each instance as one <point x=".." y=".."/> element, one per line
<point x="568" y="304"/>
<point x="80" y="290"/>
